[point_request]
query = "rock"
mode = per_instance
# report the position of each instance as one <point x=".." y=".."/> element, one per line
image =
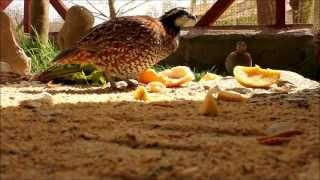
<point x="10" y="52"/>
<point x="132" y="83"/>
<point x="5" y="67"/>
<point x="120" y="85"/>
<point x="78" y="21"/>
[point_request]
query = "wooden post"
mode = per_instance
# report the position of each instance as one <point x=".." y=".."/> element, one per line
<point x="4" y="4"/>
<point x="280" y="14"/>
<point x="27" y="16"/>
<point x="60" y="7"/>
<point x="214" y="13"/>
<point x="316" y="29"/>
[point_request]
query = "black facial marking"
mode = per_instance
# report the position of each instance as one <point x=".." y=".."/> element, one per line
<point x="168" y="19"/>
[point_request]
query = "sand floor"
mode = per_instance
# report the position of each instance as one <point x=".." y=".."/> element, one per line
<point x="93" y="133"/>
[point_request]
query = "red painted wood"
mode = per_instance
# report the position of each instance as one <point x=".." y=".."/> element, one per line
<point x="4" y="4"/>
<point x="214" y="12"/>
<point x="280" y="13"/>
<point x="60" y="7"/>
<point x="318" y="49"/>
<point x="27" y="16"/>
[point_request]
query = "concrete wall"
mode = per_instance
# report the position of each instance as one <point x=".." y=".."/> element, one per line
<point x="290" y="50"/>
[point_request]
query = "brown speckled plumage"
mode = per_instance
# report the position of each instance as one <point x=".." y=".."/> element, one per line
<point x="124" y="46"/>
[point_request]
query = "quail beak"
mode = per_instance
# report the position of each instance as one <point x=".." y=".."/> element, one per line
<point x="192" y="20"/>
<point x="185" y="21"/>
<point x="192" y="17"/>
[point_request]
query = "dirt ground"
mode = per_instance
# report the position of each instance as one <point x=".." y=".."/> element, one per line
<point x="91" y="133"/>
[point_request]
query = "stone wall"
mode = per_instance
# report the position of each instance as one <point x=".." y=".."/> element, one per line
<point x="290" y="50"/>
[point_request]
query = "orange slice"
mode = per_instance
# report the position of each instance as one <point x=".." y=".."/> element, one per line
<point x="150" y="75"/>
<point x="256" y="77"/>
<point x="174" y="77"/>
<point x="209" y="76"/>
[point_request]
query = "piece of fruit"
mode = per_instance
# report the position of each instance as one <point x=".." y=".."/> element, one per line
<point x="155" y="87"/>
<point x="141" y="94"/>
<point x="256" y="77"/>
<point x="177" y="76"/>
<point x="173" y="77"/>
<point x="209" y="76"/>
<point x="150" y="75"/>
<point x="232" y="96"/>
<point x="209" y="105"/>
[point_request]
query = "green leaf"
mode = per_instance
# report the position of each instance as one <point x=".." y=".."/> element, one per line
<point x="97" y="78"/>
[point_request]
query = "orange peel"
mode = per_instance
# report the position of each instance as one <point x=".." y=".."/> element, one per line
<point x="174" y="77"/>
<point x="150" y="75"/>
<point x="256" y="77"/>
<point x="178" y="76"/>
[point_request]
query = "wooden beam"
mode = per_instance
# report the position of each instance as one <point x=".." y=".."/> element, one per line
<point x="280" y="13"/>
<point x="60" y="7"/>
<point x="251" y="27"/>
<point x="4" y="4"/>
<point x="318" y="53"/>
<point x="214" y="12"/>
<point x="27" y="16"/>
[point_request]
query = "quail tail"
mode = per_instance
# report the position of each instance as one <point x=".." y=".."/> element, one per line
<point x="58" y="73"/>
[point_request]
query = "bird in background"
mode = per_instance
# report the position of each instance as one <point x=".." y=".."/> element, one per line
<point x="124" y="46"/>
<point x="239" y="57"/>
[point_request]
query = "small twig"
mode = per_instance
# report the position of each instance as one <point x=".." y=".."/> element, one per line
<point x="130" y="9"/>
<point x="93" y="6"/>
<point x="95" y="14"/>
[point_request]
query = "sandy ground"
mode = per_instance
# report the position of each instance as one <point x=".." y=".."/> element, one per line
<point x="94" y="133"/>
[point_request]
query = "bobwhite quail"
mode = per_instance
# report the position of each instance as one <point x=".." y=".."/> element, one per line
<point x="124" y="46"/>
<point x="239" y="57"/>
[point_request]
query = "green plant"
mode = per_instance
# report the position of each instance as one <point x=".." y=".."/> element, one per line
<point x="40" y="53"/>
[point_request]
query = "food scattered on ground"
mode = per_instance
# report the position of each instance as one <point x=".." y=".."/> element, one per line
<point x="209" y="106"/>
<point x="226" y="95"/>
<point x="155" y="87"/>
<point x="151" y="75"/>
<point x="177" y="76"/>
<point x="209" y="76"/>
<point x="256" y="77"/>
<point x="174" y="77"/>
<point x="141" y="94"/>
